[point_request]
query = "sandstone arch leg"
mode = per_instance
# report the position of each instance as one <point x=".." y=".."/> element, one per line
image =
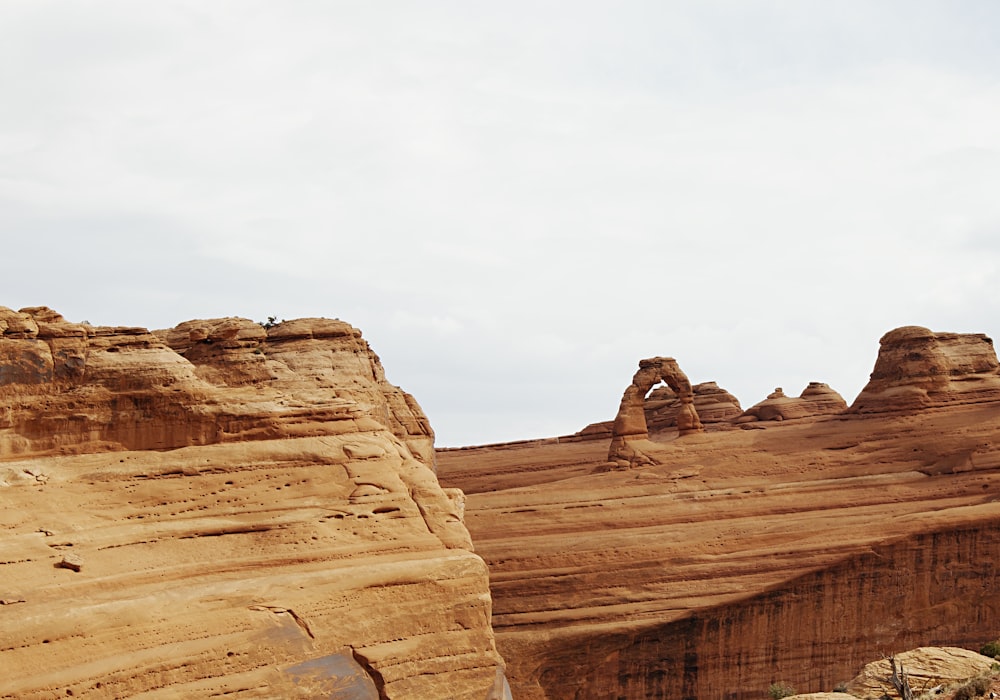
<point x="630" y="430"/>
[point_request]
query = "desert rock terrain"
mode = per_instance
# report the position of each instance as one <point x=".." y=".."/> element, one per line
<point x="236" y="510"/>
<point x="226" y="510"/>
<point x="796" y="549"/>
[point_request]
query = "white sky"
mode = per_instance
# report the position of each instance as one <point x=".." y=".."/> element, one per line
<point x="515" y="201"/>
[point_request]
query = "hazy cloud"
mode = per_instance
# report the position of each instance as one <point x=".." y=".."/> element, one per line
<point x="514" y="201"/>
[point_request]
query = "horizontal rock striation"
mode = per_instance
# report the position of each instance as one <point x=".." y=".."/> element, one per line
<point x="77" y="388"/>
<point x="812" y="632"/>
<point x="817" y="399"/>
<point x="226" y="510"/>
<point x="918" y="368"/>
<point x="692" y="578"/>
<point x="733" y="559"/>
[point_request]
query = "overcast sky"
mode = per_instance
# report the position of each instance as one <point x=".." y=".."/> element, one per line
<point x="515" y="201"/>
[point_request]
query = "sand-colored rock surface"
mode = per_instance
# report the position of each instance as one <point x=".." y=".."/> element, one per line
<point x="223" y="510"/>
<point x="926" y="668"/>
<point x="796" y="552"/>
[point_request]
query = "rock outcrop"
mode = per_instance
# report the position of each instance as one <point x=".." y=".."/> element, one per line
<point x="926" y="668"/>
<point x="918" y="368"/>
<point x="741" y="558"/>
<point x="224" y="509"/>
<point x="817" y="399"/>
<point x="630" y="432"/>
<point x="78" y="388"/>
<point x="714" y="405"/>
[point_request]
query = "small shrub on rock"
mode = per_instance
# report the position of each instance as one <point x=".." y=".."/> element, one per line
<point x="975" y="688"/>
<point x="991" y="649"/>
<point x="780" y="690"/>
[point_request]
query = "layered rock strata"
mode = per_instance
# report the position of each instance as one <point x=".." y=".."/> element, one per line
<point x="745" y="558"/>
<point x="918" y="368"/>
<point x="223" y="509"/>
<point x="817" y="399"/>
<point x="712" y="403"/>
<point x="630" y="432"/>
<point x="736" y="559"/>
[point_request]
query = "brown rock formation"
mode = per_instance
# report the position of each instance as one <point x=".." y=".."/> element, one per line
<point x="817" y="399"/>
<point x="74" y="388"/>
<point x="630" y="432"/>
<point x="917" y="368"/>
<point x="744" y="557"/>
<point x="718" y="408"/>
<point x="219" y="510"/>
<point x="712" y="403"/>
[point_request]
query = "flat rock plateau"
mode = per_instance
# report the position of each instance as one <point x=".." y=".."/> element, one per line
<point x="794" y="542"/>
<point x="226" y="510"/>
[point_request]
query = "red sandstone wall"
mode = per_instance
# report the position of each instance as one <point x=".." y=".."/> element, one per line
<point x="814" y="632"/>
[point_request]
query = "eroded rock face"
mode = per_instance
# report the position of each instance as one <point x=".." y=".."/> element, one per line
<point x="74" y="388"/>
<point x="220" y="509"/>
<point x="712" y="403"/>
<point x="630" y="430"/>
<point x="740" y="558"/>
<point x="748" y="557"/>
<point x="817" y="399"/>
<point x="918" y="368"/>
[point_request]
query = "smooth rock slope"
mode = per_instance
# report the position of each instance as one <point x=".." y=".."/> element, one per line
<point x="226" y="510"/>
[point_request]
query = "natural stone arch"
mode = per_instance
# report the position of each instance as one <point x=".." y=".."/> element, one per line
<point x="630" y="423"/>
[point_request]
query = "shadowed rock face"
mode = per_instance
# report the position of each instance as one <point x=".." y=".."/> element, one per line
<point x="630" y="431"/>
<point x="223" y="509"/>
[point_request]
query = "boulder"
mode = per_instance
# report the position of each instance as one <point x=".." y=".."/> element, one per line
<point x="926" y="667"/>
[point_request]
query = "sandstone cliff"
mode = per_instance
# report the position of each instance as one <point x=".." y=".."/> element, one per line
<point x="223" y="509"/>
<point x="734" y="559"/>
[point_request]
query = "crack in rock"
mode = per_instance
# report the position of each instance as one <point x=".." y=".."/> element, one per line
<point x="285" y="611"/>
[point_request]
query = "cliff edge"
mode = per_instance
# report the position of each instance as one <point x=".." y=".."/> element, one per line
<point x="226" y="509"/>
